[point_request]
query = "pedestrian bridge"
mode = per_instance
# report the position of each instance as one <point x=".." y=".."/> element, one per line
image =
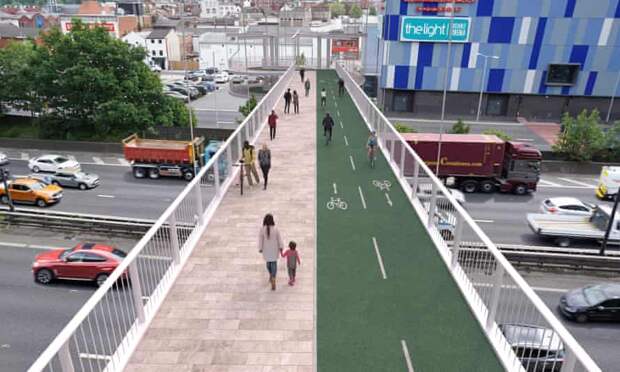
<point x="395" y="275"/>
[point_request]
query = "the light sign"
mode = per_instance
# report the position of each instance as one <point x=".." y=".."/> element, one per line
<point x="435" y="29"/>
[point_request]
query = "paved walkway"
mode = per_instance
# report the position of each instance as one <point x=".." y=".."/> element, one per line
<point x="221" y="314"/>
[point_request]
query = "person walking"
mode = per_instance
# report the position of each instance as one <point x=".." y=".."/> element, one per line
<point x="340" y="87"/>
<point x="323" y="97"/>
<point x="287" y="101"/>
<point x="302" y="73"/>
<point x="270" y="245"/>
<point x="292" y="260"/>
<point x="328" y="125"/>
<point x="249" y="163"/>
<point x="295" y="102"/>
<point x="272" y="121"/>
<point x="264" y="160"/>
<point x="307" y="86"/>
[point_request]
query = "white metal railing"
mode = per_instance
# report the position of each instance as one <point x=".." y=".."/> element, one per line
<point x="494" y="290"/>
<point x="105" y="331"/>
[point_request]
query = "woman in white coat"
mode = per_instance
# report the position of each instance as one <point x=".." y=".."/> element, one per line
<point x="270" y="245"/>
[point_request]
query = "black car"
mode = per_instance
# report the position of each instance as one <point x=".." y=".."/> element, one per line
<point x="593" y="302"/>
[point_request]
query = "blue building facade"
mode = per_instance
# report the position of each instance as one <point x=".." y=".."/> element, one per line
<point x="552" y="56"/>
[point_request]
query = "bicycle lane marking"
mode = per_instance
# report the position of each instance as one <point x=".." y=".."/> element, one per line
<point x="346" y="141"/>
<point x="379" y="258"/>
<point x="352" y="162"/>
<point x="335" y="188"/>
<point x="362" y="197"/>
<point x="403" y="344"/>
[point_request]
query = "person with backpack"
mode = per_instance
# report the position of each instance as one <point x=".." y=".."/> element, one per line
<point x="264" y="161"/>
<point x="328" y="125"/>
<point x="287" y="101"/>
<point x="249" y="160"/>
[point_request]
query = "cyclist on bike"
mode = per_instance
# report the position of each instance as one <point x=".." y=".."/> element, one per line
<point x="371" y="145"/>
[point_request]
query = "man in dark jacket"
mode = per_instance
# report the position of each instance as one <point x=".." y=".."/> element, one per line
<point x="287" y="101"/>
<point x="328" y="125"/>
<point x="340" y="87"/>
<point x="302" y="73"/>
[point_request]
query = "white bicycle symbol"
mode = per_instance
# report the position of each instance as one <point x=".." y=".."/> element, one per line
<point x="382" y="185"/>
<point x="336" y="203"/>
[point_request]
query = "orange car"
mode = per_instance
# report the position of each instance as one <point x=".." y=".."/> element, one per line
<point x="31" y="191"/>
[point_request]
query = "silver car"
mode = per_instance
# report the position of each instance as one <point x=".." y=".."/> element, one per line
<point x="4" y="160"/>
<point x="80" y="180"/>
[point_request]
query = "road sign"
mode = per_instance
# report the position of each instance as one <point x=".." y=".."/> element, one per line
<point x="435" y="29"/>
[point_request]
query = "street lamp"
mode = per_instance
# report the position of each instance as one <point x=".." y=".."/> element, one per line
<point x="187" y="90"/>
<point x="484" y="71"/>
<point x="609" y="225"/>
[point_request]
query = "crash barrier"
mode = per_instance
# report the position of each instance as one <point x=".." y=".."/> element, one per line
<point x="105" y="331"/>
<point x="496" y="293"/>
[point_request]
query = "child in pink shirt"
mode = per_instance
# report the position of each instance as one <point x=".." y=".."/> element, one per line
<point x="292" y="260"/>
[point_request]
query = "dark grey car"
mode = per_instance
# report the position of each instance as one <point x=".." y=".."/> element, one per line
<point x="80" y="180"/>
<point x="538" y="348"/>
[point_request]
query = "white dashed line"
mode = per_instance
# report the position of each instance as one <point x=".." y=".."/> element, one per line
<point x="362" y="197"/>
<point x="335" y="188"/>
<point x="389" y="201"/>
<point x="484" y="221"/>
<point x="24" y="156"/>
<point x="346" y="141"/>
<point x="374" y="242"/>
<point x="403" y="344"/>
<point x="577" y="182"/>
<point x="352" y="163"/>
<point x="98" y="160"/>
<point x="123" y="161"/>
<point x="341" y="125"/>
<point x="106" y="196"/>
<point x="338" y="112"/>
<point x="549" y="183"/>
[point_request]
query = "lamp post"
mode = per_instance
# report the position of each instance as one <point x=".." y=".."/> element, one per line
<point x="484" y="71"/>
<point x="4" y="175"/>
<point x="609" y="224"/>
<point x="613" y="96"/>
<point x="185" y="77"/>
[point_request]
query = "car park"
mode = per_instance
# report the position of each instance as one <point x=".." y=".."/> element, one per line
<point x="593" y="302"/>
<point x="30" y="191"/>
<point x="80" y="180"/>
<point x="85" y="261"/>
<point x="4" y="159"/>
<point x="538" y="348"/>
<point x="567" y="205"/>
<point x="52" y="163"/>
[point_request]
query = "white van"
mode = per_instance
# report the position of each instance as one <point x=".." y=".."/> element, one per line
<point x="608" y="183"/>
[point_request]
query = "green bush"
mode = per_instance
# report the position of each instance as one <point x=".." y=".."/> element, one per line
<point x="498" y="133"/>
<point x="402" y="128"/>
<point x="581" y="138"/>
<point x="460" y="128"/>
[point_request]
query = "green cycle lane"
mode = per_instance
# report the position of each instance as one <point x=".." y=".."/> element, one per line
<point x="362" y="317"/>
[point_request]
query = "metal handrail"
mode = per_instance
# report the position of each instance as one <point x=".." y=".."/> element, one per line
<point x="568" y="340"/>
<point x="63" y="338"/>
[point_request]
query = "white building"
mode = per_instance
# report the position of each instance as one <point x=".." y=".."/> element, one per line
<point x="138" y="39"/>
<point x="163" y="45"/>
<point x="218" y="8"/>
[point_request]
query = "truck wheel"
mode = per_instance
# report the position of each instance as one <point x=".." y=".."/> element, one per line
<point x="139" y="172"/>
<point x="520" y="189"/>
<point x="469" y="186"/>
<point x="41" y="203"/>
<point x="4" y="199"/>
<point x="562" y="242"/>
<point x="487" y="186"/>
<point x="188" y="175"/>
<point x="154" y="173"/>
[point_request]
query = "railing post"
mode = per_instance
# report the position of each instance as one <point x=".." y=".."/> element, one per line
<point x="174" y="238"/>
<point x="216" y="175"/>
<point x="402" y="160"/>
<point x="64" y="357"/>
<point x="456" y="244"/>
<point x="569" y="361"/>
<point x="136" y="289"/>
<point x="199" y="208"/>
<point x="229" y="161"/>
<point x="498" y="280"/>
<point x="392" y="150"/>
<point x="247" y="132"/>
<point x="416" y="174"/>
<point x="433" y="206"/>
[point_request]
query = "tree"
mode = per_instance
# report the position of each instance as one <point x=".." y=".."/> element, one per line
<point x="581" y="137"/>
<point x="94" y="87"/>
<point x="496" y="132"/>
<point x="612" y="143"/>
<point x="16" y="73"/>
<point x="460" y="128"/>
<point x="372" y="11"/>
<point x="337" y="9"/>
<point x="355" y="11"/>
<point x="247" y="108"/>
<point x="402" y="128"/>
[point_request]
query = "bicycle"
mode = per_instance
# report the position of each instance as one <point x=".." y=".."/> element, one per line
<point x="336" y="203"/>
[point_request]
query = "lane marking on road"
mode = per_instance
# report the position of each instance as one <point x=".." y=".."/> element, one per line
<point x="549" y="183"/>
<point x="374" y="242"/>
<point x="338" y="112"/>
<point x="484" y="221"/>
<point x="362" y="197"/>
<point x="346" y="141"/>
<point x="403" y="344"/>
<point x="335" y="188"/>
<point x="578" y="183"/>
<point x="537" y="289"/>
<point x="28" y="246"/>
<point x="220" y="110"/>
<point x="352" y="163"/>
<point x="488" y="123"/>
<point x="566" y="187"/>
<point x="389" y="201"/>
<point x="24" y="156"/>
<point x="341" y="125"/>
<point x="95" y="356"/>
<point x="524" y="139"/>
<point x="336" y="103"/>
<point x="98" y="160"/>
<point x="106" y="196"/>
<point x="123" y="161"/>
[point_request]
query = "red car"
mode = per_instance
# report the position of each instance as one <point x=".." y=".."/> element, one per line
<point x="85" y="261"/>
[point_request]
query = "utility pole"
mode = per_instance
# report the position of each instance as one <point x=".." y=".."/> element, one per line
<point x="610" y="224"/>
<point x="445" y="87"/>
<point x="185" y="77"/>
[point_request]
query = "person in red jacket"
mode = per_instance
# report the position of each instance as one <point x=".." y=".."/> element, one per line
<point x="272" y="121"/>
<point x="292" y="260"/>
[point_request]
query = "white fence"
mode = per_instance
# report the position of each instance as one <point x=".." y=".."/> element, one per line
<point x="494" y="290"/>
<point x="106" y="330"/>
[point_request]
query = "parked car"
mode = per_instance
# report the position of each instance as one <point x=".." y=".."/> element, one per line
<point x="222" y="78"/>
<point x="538" y="348"/>
<point x="211" y="70"/>
<point x="155" y="68"/>
<point x="209" y="85"/>
<point x="197" y="74"/>
<point x="193" y="93"/>
<point x="567" y="205"/>
<point x="254" y="79"/>
<point x="202" y="90"/>
<point x="177" y="95"/>
<point x="86" y="261"/>
<point x="30" y="191"/>
<point x="593" y="302"/>
<point x="4" y="160"/>
<point x="210" y="78"/>
<point x="53" y="163"/>
<point x="80" y="180"/>
<point x="238" y="79"/>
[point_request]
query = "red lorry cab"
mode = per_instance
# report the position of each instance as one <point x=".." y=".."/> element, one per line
<point x="479" y="162"/>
